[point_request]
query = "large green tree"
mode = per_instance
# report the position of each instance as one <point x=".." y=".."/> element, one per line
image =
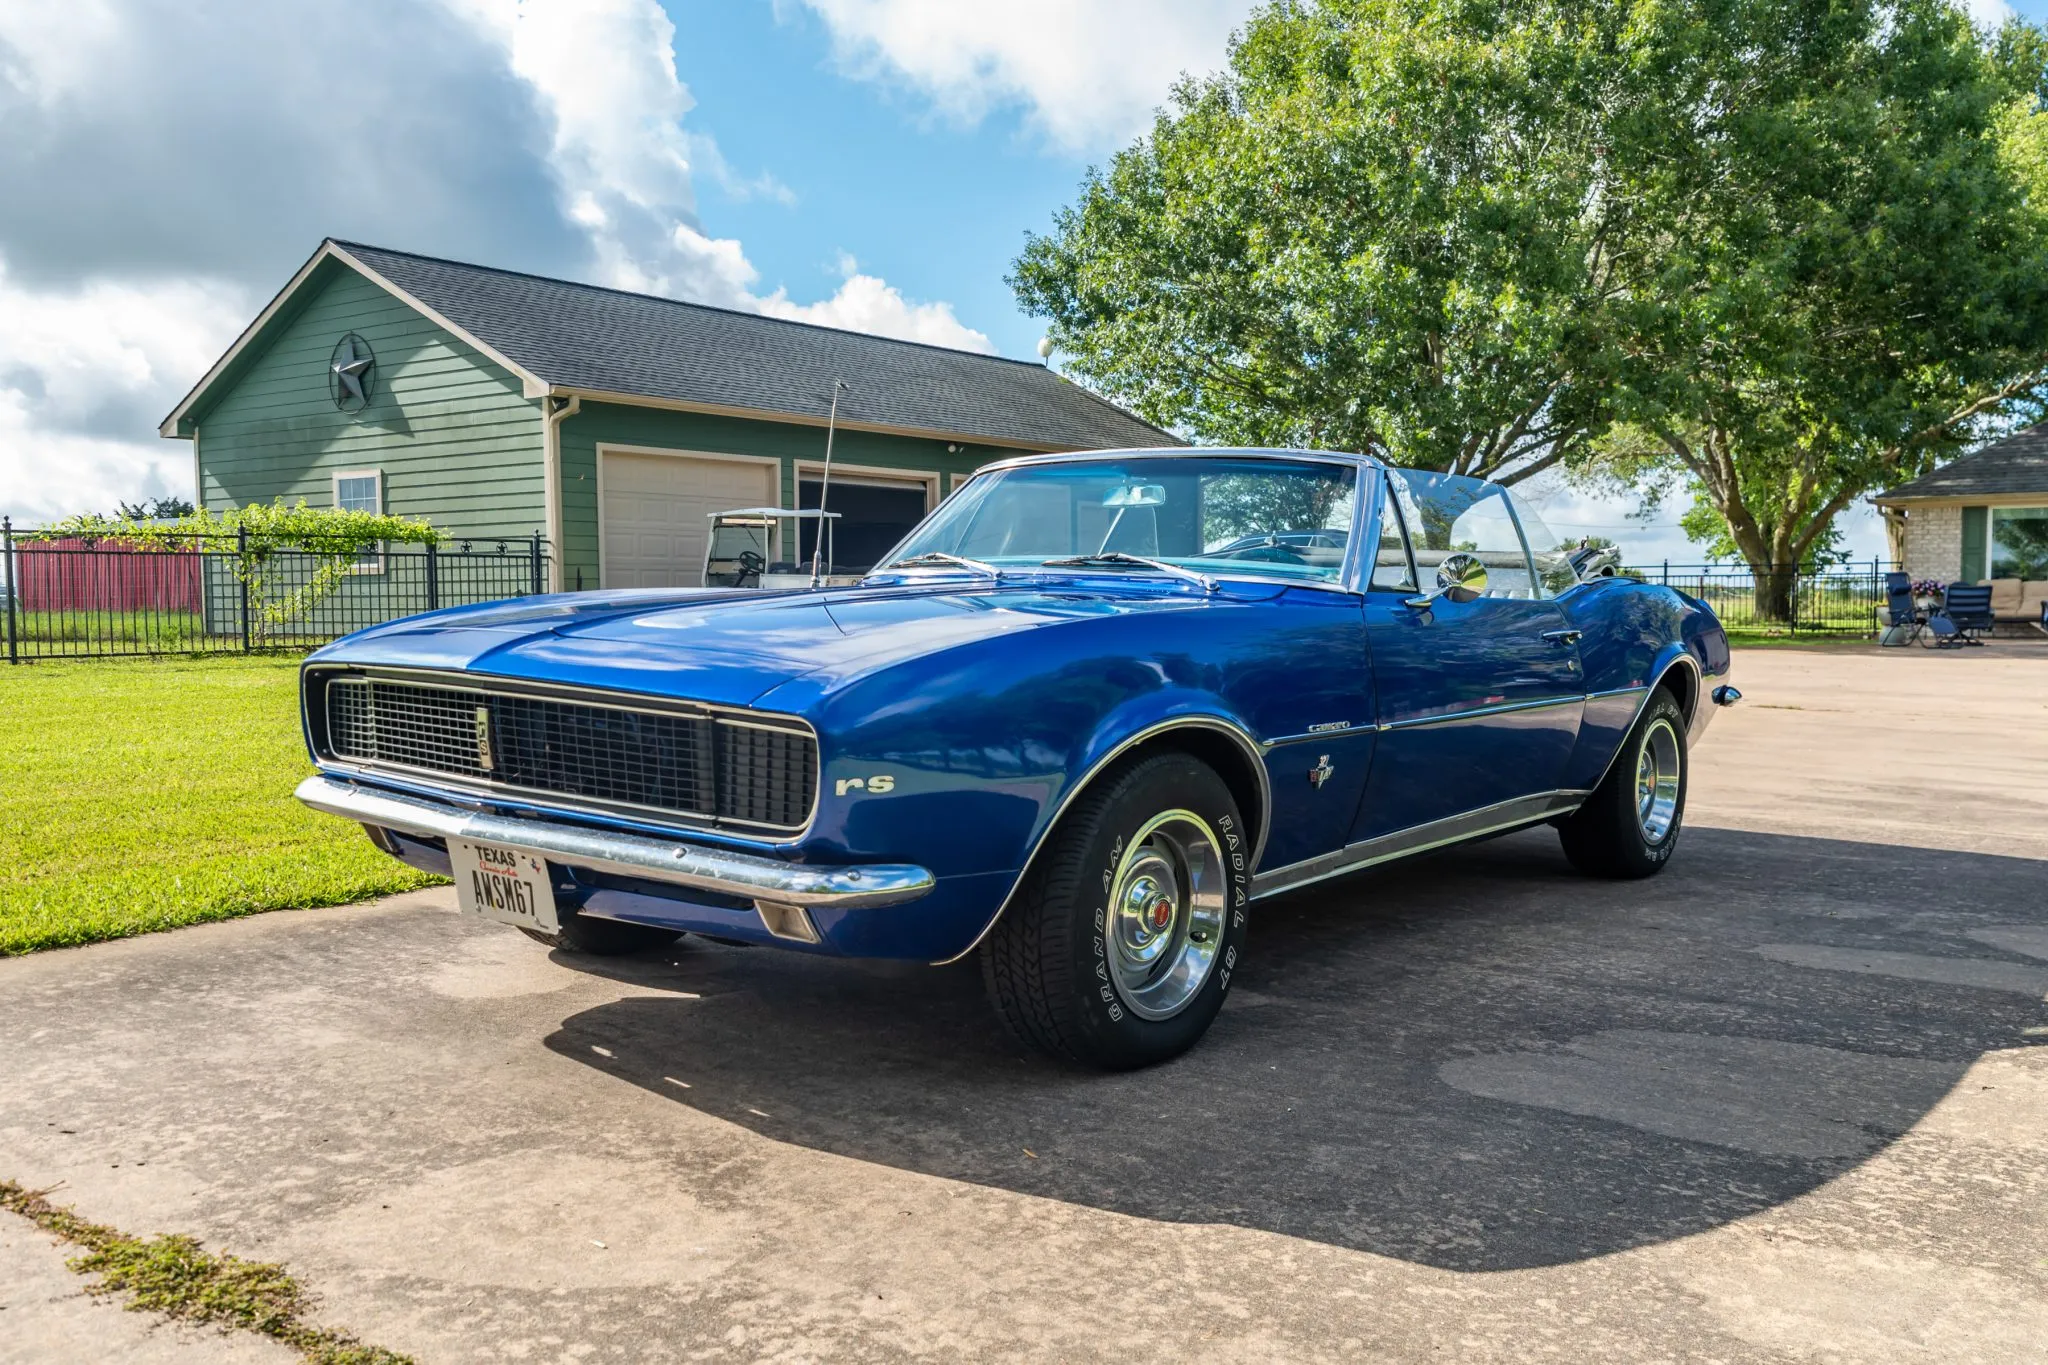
<point x="1855" y="267"/>
<point x="1792" y="247"/>
<point x="1382" y="228"/>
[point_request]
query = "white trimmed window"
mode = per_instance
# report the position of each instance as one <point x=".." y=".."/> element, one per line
<point x="362" y="490"/>
<point x="359" y="490"/>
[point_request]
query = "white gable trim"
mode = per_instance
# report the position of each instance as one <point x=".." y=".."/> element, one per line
<point x="532" y="385"/>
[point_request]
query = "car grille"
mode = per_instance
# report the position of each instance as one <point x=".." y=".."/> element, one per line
<point x="703" y="766"/>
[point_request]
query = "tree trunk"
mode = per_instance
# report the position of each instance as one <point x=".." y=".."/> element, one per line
<point x="1775" y="588"/>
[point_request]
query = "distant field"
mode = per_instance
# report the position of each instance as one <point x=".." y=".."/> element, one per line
<point x="138" y="795"/>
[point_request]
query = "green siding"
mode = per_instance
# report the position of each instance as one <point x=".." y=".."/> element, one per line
<point x="447" y="425"/>
<point x="1976" y="540"/>
<point x="616" y="424"/>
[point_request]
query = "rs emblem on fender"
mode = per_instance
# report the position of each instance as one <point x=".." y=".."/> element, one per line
<point x="874" y="786"/>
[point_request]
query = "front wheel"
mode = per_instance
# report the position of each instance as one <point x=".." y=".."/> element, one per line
<point x="1120" y="945"/>
<point x="1630" y="824"/>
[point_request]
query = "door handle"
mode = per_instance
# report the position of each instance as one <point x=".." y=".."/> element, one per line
<point x="1563" y="637"/>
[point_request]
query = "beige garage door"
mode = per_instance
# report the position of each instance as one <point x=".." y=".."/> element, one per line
<point x="657" y="510"/>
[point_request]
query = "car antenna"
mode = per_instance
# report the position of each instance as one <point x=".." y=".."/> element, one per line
<point x="839" y="386"/>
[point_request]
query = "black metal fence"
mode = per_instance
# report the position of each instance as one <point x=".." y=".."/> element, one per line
<point x="1840" y="601"/>
<point x="80" y="598"/>
<point x="66" y="597"/>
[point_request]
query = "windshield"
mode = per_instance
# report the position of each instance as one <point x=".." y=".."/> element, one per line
<point x="1275" y="518"/>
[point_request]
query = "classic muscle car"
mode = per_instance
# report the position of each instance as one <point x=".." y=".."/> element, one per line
<point x="1092" y="709"/>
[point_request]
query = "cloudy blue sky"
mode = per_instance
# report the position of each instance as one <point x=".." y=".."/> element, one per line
<point x="865" y="163"/>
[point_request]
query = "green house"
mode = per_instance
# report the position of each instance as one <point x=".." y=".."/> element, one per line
<point x="499" y="405"/>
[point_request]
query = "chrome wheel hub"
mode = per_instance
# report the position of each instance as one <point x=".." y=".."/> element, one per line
<point x="1657" y="772"/>
<point x="1167" y="907"/>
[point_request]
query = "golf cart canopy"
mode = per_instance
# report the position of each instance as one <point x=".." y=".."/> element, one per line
<point x="741" y="550"/>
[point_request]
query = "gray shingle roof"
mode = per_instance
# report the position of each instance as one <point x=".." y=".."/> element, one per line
<point x="580" y="336"/>
<point x="2017" y="464"/>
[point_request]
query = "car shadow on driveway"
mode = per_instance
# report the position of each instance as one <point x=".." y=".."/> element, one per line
<point x="1477" y="1061"/>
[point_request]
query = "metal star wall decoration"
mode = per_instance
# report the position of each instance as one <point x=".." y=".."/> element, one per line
<point x="351" y="373"/>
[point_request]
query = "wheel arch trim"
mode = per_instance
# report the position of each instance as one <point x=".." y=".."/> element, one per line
<point x="1680" y="659"/>
<point x="1254" y="757"/>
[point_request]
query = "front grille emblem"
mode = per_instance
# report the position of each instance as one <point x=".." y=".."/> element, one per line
<point x="483" y="738"/>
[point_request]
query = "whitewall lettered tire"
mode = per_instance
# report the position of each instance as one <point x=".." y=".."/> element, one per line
<point x="1120" y="946"/>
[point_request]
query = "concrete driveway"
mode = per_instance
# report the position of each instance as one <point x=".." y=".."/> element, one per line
<point x="1787" y="1102"/>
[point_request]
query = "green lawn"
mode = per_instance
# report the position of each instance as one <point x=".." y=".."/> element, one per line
<point x="142" y="794"/>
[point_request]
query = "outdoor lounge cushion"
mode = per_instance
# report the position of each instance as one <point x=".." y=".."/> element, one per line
<point x="2014" y="599"/>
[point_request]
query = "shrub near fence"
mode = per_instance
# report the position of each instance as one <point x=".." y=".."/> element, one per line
<point x="72" y="597"/>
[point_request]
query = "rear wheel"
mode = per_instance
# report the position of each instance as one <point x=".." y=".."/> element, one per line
<point x="603" y="937"/>
<point x="1630" y="825"/>
<point x="1120" y="946"/>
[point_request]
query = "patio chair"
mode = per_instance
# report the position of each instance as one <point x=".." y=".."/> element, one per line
<point x="1902" y="623"/>
<point x="1969" y="606"/>
<point x="1940" y="632"/>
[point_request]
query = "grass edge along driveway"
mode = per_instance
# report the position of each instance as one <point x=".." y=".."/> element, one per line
<point x="138" y="795"/>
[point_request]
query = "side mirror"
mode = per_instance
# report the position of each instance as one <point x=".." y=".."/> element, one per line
<point x="1460" y="578"/>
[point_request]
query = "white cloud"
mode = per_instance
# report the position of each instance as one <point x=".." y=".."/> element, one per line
<point x="1088" y="72"/>
<point x="84" y="373"/>
<point x="605" y="72"/>
<point x="865" y="303"/>
<point x="226" y="140"/>
<point x="168" y="166"/>
<point x="1989" y="13"/>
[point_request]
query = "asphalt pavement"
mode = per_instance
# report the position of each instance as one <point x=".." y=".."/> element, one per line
<point x="1786" y="1102"/>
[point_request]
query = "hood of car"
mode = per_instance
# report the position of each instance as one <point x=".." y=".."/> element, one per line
<point x="731" y="646"/>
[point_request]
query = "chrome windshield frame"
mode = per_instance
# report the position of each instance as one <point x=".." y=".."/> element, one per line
<point x="1364" y="489"/>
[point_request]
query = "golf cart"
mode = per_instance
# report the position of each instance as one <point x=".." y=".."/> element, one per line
<point x="741" y="550"/>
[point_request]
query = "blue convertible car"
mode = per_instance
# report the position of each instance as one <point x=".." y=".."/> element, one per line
<point x="1093" y="708"/>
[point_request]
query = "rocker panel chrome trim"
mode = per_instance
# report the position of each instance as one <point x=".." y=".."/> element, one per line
<point x="1523" y="810"/>
<point x="679" y="864"/>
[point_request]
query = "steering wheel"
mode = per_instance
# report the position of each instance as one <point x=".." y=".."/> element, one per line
<point x="751" y="565"/>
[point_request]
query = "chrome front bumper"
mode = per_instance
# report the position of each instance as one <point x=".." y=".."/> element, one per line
<point x="770" y="883"/>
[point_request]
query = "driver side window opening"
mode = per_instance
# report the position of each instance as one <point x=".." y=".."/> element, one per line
<point x="1550" y="555"/>
<point x="1457" y="515"/>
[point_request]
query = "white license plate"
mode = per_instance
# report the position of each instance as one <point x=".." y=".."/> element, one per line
<point x="505" y="885"/>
